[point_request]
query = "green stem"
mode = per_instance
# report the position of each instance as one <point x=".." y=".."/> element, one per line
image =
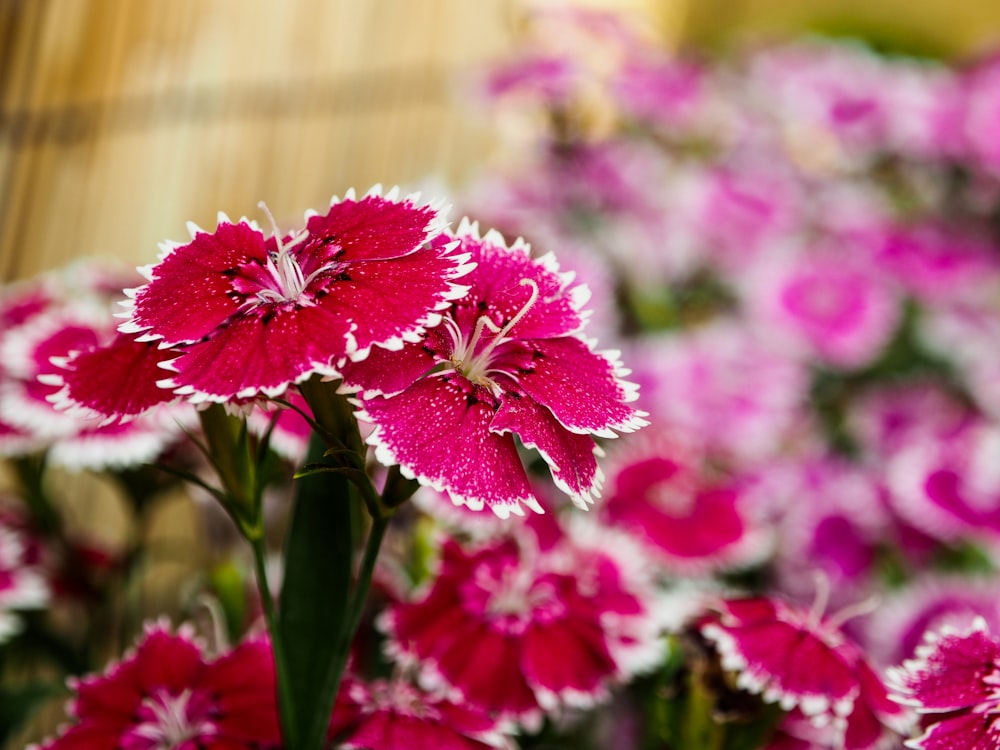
<point x="355" y="610"/>
<point x="286" y="705"/>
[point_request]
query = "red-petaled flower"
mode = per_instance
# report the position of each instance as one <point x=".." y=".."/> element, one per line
<point x="396" y="715"/>
<point x="953" y="682"/>
<point x="166" y="696"/>
<point x="116" y="382"/>
<point x="516" y="628"/>
<point x="803" y="661"/>
<point x="251" y="315"/>
<point x="508" y="360"/>
<point x="34" y="383"/>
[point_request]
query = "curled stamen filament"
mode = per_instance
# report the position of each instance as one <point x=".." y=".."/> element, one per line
<point x="476" y="366"/>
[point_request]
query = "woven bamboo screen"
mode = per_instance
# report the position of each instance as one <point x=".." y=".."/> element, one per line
<point x="121" y="119"/>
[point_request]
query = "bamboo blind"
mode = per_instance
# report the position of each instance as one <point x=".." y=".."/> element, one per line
<point x="122" y="119"/>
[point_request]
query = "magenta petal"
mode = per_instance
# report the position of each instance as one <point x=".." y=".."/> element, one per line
<point x="786" y="663"/>
<point x="950" y="671"/>
<point x="680" y="515"/>
<point x="168" y="661"/>
<point x="498" y="287"/>
<point x="373" y="228"/>
<point x="571" y="457"/>
<point x="580" y="387"/>
<point x="966" y="731"/>
<point x="186" y="299"/>
<point x="118" y="380"/>
<point x="258" y="354"/>
<point x="568" y="657"/>
<point x="389" y="730"/>
<point x="384" y="372"/>
<point x="438" y="431"/>
<point x="390" y="302"/>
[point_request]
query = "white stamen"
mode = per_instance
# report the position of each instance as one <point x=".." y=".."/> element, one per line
<point x="858" y="609"/>
<point x="818" y="607"/>
<point x="171" y="725"/>
<point x="476" y="367"/>
<point x="283" y="267"/>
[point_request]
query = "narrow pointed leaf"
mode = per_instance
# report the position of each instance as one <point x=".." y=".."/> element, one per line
<point x="314" y="595"/>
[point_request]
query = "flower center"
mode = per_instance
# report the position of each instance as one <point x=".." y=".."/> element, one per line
<point x="288" y="282"/>
<point x="168" y="721"/>
<point x="673" y="498"/>
<point x="514" y="597"/>
<point x="476" y="365"/>
<point x="400" y="697"/>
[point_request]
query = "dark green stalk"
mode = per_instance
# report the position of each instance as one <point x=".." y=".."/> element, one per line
<point x="355" y="610"/>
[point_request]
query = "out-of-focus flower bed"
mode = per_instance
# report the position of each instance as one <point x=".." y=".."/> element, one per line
<point x="797" y="251"/>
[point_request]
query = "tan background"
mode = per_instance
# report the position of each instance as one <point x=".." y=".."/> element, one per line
<point x="122" y="119"/>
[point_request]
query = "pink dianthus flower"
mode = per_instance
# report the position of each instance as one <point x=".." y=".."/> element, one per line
<point x="507" y="360"/>
<point x="165" y="694"/>
<point x="251" y="315"/>
<point x="519" y="628"/>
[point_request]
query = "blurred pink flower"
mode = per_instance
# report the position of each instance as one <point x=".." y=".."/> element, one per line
<point x="396" y="715"/>
<point x="689" y="518"/>
<point x="827" y="305"/>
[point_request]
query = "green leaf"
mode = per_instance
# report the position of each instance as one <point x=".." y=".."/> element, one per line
<point x="314" y="597"/>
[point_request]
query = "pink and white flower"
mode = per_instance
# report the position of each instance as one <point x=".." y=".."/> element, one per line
<point x="948" y="485"/>
<point x="952" y="684"/>
<point x="802" y="660"/>
<point x="826" y="305"/>
<point x="166" y="694"/>
<point x="251" y="315"/>
<point x="508" y="360"/>
<point x="77" y="319"/>
<point x="722" y="386"/>
<point x="518" y="629"/>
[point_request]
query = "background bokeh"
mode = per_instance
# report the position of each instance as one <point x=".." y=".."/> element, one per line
<point x="120" y="121"/>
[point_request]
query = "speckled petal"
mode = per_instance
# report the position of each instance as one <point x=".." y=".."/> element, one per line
<point x="438" y="432"/>
<point x="950" y="671"/>
<point x="186" y="298"/>
<point x="571" y="457"/>
<point x="390" y="302"/>
<point x="374" y="227"/>
<point x="254" y="355"/>
<point x="384" y="372"/>
<point x="116" y="381"/>
<point x="581" y="388"/>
